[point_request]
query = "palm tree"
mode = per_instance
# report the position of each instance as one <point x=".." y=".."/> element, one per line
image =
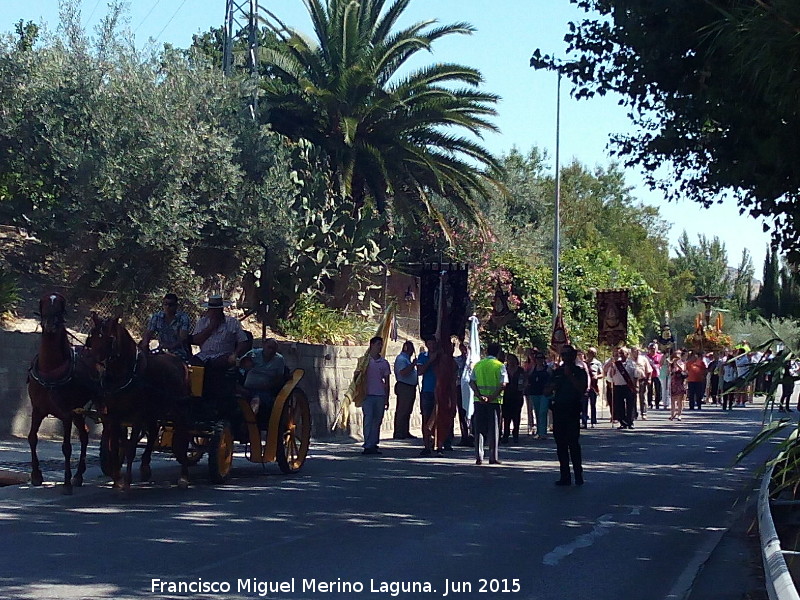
<point x="391" y="136"/>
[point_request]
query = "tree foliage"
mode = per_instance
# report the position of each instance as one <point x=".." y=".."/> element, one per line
<point x="707" y="262"/>
<point x="136" y="169"/>
<point x="392" y="136"/>
<point x="713" y="88"/>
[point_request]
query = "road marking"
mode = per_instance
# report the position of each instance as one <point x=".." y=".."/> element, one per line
<point x="601" y="527"/>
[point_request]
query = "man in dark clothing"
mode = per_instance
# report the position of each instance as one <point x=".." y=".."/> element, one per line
<point x="569" y="383"/>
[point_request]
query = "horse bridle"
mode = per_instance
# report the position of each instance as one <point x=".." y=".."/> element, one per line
<point x="115" y="354"/>
<point x="56" y="320"/>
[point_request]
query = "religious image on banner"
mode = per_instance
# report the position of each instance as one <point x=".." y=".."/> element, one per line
<point x="560" y="337"/>
<point x="501" y="311"/>
<point x="612" y="317"/>
<point x="456" y="299"/>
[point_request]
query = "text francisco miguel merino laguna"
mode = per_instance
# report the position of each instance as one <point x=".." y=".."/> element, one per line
<point x="338" y="586"/>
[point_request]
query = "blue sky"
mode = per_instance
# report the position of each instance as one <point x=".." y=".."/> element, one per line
<point x="507" y="33"/>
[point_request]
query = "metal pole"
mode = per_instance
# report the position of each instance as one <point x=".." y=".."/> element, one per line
<point x="557" y="233"/>
<point x="227" y="47"/>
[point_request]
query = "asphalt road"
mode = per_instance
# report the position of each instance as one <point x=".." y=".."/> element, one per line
<point x="655" y="503"/>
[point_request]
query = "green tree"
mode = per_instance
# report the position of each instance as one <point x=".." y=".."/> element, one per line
<point x="708" y="264"/>
<point x="693" y="74"/>
<point x="769" y="295"/>
<point x="742" y="281"/>
<point x="134" y="168"/>
<point x="392" y="137"/>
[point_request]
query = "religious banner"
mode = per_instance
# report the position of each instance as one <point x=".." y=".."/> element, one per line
<point x="455" y="300"/>
<point x="501" y="312"/>
<point x="612" y="317"/>
<point x="560" y="337"/>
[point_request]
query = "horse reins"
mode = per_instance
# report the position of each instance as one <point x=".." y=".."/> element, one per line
<point x="131" y="379"/>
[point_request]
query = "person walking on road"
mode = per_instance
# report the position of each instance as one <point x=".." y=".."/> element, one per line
<point x="513" y="399"/>
<point x="677" y="385"/>
<point x="622" y="372"/>
<point x="696" y="372"/>
<point x="489" y="379"/>
<point x="569" y="384"/>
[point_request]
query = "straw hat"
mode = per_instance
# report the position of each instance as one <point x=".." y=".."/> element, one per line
<point x="216" y="301"/>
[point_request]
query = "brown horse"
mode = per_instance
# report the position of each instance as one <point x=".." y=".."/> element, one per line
<point x="138" y="390"/>
<point x="61" y="382"/>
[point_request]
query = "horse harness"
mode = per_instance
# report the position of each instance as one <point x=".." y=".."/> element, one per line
<point x="140" y="358"/>
<point x="51" y="384"/>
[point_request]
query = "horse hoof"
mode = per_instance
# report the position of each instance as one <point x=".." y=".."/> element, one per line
<point x="77" y="481"/>
<point x="145" y="472"/>
<point x="37" y="479"/>
<point x="183" y="483"/>
<point x="66" y="490"/>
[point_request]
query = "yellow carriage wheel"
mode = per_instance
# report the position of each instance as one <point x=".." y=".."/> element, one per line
<point x="294" y="433"/>
<point x="220" y="454"/>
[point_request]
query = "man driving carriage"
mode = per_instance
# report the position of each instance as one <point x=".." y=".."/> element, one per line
<point x="170" y="327"/>
<point x="221" y="340"/>
<point x="220" y="337"/>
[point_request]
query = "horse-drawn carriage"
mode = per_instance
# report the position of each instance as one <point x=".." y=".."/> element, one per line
<point x="135" y="393"/>
<point x="284" y="440"/>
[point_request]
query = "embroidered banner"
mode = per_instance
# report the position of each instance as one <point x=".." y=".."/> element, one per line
<point x="560" y="337"/>
<point x="612" y="317"/>
<point x="456" y="299"/>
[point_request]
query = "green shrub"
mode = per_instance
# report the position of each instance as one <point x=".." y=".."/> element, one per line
<point x="9" y="291"/>
<point x="313" y="322"/>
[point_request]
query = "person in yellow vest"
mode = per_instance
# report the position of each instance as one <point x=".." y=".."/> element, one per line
<point x="489" y="378"/>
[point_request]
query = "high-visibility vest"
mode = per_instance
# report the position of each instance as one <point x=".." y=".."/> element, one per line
<point x="487" y="377"/>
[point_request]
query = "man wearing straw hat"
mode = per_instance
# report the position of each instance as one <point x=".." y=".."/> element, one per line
<point x="220" y="337"/>
<point x="221" y="340"/>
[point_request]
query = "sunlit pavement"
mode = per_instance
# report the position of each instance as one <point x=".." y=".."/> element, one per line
<point x="657" y="500"/>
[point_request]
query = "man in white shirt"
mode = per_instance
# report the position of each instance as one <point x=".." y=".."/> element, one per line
<point x="644" y="373"/>
<point x="622" y="372"/>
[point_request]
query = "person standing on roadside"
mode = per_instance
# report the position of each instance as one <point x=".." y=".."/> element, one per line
<point x="426" y="368"/>
<point x="569" y="384"/>
<point x="405" y="389"/>
<point x="377" y="395"/>
<point x="489" y="379"/>
<point x="538" y="378"/>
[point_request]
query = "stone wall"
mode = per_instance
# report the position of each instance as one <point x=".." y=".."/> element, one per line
<point x="16" y="352"/>
<point x="328" y="373"/>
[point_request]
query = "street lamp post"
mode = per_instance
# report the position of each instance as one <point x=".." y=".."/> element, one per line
<point x="557" y="233"/>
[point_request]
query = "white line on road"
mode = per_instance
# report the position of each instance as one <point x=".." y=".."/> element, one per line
<point x="602" y="526"/>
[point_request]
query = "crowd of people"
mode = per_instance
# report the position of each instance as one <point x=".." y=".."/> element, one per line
<point x="561" y="392"/>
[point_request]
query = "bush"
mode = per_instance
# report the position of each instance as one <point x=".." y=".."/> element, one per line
<point x="313" y="322"/>
<point x="9" y="292"/>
